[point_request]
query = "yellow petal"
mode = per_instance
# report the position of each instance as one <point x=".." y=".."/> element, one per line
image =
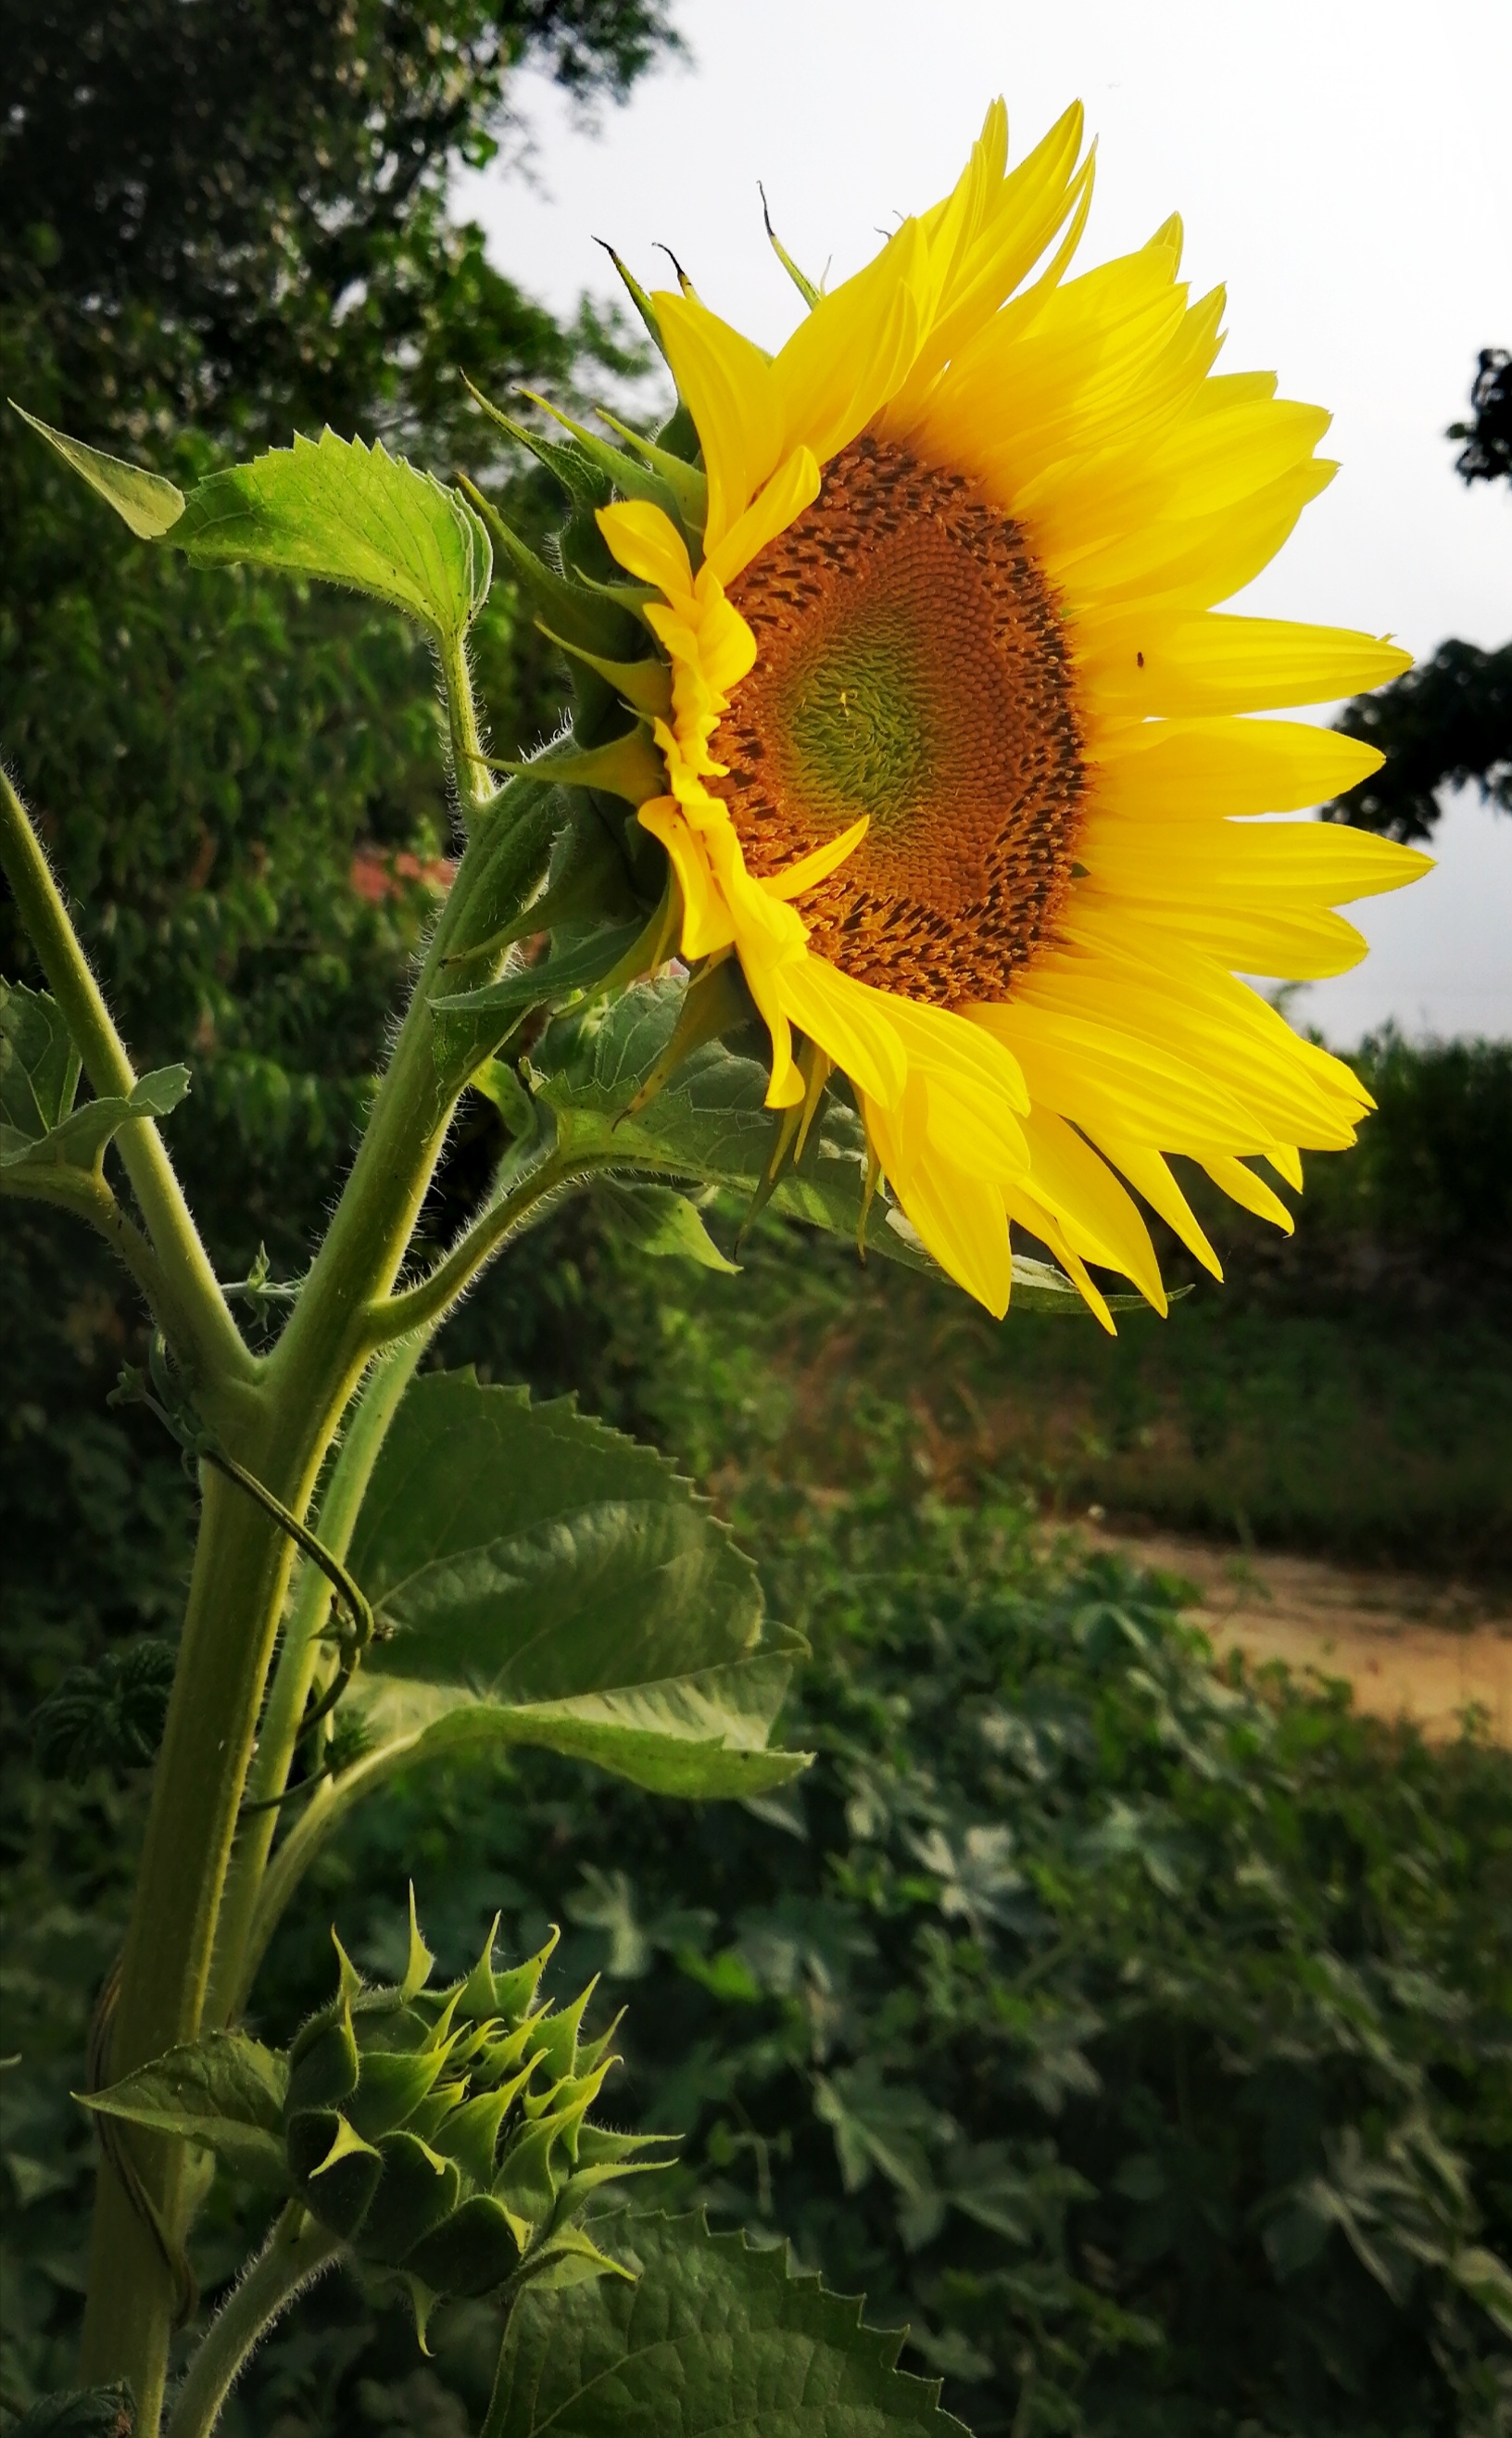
<point x="1099" y="1220"/>
<point x="705" y="923"/>
<point x="1222" y="662"/>
<point x="1149" y="1174"/>
<point x="811" y="869"/>
<point x="852" y="1026"/>
<point x="1251" y="863"/>
<point x="1175" y="769"/>
<point x="960" y="1218"/>
<point x="1242" y="1185"/>
<point x="728" y="388"/>
<point x="995" y="228"/>
<point x="1202" y="559"/>
<point x="1096" y="1072"/>
<point x="791" y="489"/>
<point x="852" y="351"/>
<point x="1292" y="945"/>
<point x="647" y="544"/>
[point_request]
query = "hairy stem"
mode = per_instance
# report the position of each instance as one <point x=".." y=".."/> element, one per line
<point x="193" y="1312"/>
<point x="296" y="2253"/>
<point x="279" y="1430"/>
<point x="242" y="1567"/>
<point x="85" y="1193"/>
<point x="294" y="1675"/>
<point x="474" y="781"/>
<point x="420" y="1306"/>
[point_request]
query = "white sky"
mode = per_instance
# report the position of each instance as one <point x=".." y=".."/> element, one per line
<point x="1340" y="164"/>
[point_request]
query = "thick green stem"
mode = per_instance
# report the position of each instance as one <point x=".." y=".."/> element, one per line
<point x="279" y="1426"/>
<point x="192" y="1310"/>
<point x="297" y="2251"/>
<point x="240" y="1573"/>
<point x="278" y="1740"/>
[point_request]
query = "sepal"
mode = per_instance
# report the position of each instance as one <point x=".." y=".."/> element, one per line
<point x="584" y="613"/>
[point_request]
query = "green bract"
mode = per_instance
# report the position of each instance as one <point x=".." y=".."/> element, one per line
<point x="439" y="2134"/>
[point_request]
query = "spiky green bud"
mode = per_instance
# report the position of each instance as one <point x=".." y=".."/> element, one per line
<point x="442" y="2134"/>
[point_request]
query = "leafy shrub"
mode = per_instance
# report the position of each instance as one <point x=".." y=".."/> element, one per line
<point x="1139" y="2034"/>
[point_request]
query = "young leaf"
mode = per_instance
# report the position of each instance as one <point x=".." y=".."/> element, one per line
<point x="574" y="969"/>
<point x="545" y="1581"/>
<point x="653" y="1219"/>
<point x="149" y="504"/>
<point x="350" y="514"/>
<point x="38" y="1065"/>
<point x="79" y="1141"/>
<point x="224" y="2092"/>
<point x="712" y="2336"/>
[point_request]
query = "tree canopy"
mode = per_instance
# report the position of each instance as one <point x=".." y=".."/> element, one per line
<point x="1447" y="722"/>
<point x="234" y="212"/>
<point x="1487" y="456"/>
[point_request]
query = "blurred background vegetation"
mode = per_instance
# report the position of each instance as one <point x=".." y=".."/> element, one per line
<point x="1141" y="2033"/>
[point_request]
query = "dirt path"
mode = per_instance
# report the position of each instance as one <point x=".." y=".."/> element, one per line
<point x="1410" y="1648"/>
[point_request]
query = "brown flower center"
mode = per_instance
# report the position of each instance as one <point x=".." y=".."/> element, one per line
<point x="910" y="666"/>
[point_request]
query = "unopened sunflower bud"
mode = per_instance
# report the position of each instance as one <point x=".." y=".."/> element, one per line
<point x="444" y="2133"/>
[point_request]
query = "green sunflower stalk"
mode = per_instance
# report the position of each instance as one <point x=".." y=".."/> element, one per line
<point x="896" y="875"/>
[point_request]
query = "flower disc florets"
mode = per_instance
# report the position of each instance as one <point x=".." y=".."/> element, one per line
<point x="911" y="667"/>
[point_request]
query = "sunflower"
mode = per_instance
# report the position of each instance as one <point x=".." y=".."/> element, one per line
<point x="959" y="760"/>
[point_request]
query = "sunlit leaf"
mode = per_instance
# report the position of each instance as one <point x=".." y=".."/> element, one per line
<point x="337" y="509"/>
<point x="147" y="503"/>
<point x="709" y="1124"/>
<point x="352" y="515"/>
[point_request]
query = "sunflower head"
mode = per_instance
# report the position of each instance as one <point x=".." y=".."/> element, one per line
<point x="903" y="645"/>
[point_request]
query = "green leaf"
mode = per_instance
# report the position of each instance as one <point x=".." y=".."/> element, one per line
<point x="80" y="2412"/>
<point x="655" y="1219"/>
<point x="81" y="1137"/>
<point x="38" y="1065"/>
<point x="539" y="1579"/>
<point x="713" y="2337"/>
<point x="573" y="968"/>
<point x="352" y="515"/>
<point x="1487" y="2280"/>
<point x="226" y="2093"/>
<point x="337" y="509"/>
<point x="709" y="1124"/>
<point x="149" y="504"/>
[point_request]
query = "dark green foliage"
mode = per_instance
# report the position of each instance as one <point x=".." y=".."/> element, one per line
<point x="110" y="1716"/>
<point x="1487" y="451"/>
<point x="711" y="2324"/>
<point x="79" y="2413"/>
<point x="1161" y="2033"/>
<point x="1431" y="1176"/>
<point x="234" y="215"/>
<point x="1446" y="723"/>
<point x="1142" y="2041"/>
